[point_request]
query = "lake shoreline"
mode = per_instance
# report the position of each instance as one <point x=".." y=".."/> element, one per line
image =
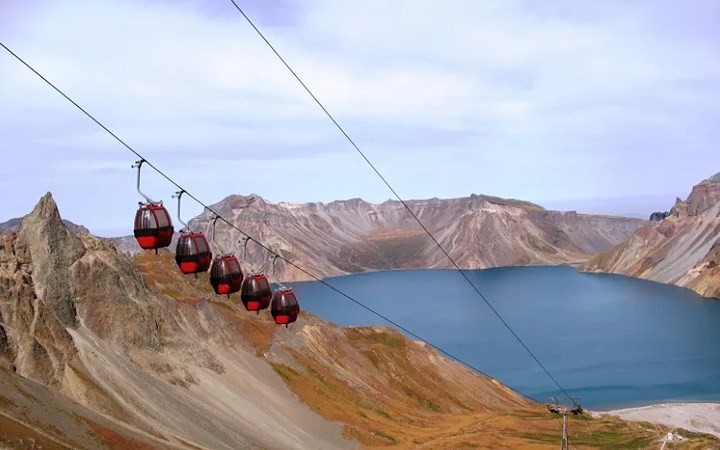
<point x="605" y="335"/>
<point x="696" y="417"/>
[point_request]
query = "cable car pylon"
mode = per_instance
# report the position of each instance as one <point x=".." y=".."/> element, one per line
<point x="192" y="252"/>
<point x="153" y="226"/>
<point x="226" y="274"/>
<point x="557" y="408"/>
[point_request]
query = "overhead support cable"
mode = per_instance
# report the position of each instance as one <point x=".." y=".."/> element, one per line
<point x="247" y="236"/>
<point x="400" y="199"/>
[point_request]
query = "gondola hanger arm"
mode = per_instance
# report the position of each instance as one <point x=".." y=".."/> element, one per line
<point x="179" y="195"/>
<point x="138" y="165"/>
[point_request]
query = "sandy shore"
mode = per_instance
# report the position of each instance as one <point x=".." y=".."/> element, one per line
<point x="699" y="417"/>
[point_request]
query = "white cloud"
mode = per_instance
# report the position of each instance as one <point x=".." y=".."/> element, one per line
<point x="547" y="101"/>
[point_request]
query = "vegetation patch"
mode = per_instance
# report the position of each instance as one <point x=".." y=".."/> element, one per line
<point x="535" y="437"/>
<point x="172" y="292"/>
<point x="431" y="406"/>
<point x="315" y="374"/>
<point x="408" y="407"/>
<point x="385" y="436"/>
<point x="460" y="404"/>
<point x="614" y="439"/>
<point x="374" y="359"/>
<point x="287" y="373"/>
<point x="259" y="333"/>
<point x="392" y="340"/>
<point x="389" y="338"/>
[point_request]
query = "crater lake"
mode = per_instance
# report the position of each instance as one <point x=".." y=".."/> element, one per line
<point x="613" y="341"/>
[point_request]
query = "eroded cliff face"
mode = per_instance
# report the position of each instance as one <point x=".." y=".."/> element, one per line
<point x="355" y="236"/>
<point x="683" y="249"/>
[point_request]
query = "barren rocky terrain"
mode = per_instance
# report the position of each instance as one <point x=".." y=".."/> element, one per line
<point x="98" y="350"/>
<point x="355" y="236"/>
<point x="682" y="249"/>
<point x="81" y="319"/>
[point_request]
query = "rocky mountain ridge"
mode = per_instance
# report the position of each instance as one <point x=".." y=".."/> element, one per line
<point x="681" y="249"/>
<point x="101" y="351"/>
<point x="350" y="236"/>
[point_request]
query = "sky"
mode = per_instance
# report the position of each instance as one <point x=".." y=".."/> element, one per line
<point x="599" y="106"/>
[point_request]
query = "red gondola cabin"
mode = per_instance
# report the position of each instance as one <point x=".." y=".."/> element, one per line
<point x="153" y="227"/>
<point x="226" y="275"/>
<point x="284" y="307"/>
<point x="256" y="293"/>
<point x="192" y="253"/>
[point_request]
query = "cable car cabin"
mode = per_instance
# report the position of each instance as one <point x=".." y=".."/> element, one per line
<point x="193" y="253"/>
<point x="226" y="275"/>
<point x="256" y="293"/>
<point x="284" y="307"/>
<point x="153" y="227"/>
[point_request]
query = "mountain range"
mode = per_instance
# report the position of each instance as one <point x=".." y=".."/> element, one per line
<point x="102" y="350"/>
<point x="351" y="236"/>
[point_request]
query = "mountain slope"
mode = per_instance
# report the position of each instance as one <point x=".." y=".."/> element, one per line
<point x="355" y="236"/>
<point x="80" y="318"/>
<point x="33" y="416"/>
<point x="682" y="249"/>
<point x="101" y="351"/>
<point x="142" y="344"/>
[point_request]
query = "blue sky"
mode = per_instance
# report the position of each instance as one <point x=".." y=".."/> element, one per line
<point x="604" y="106"/>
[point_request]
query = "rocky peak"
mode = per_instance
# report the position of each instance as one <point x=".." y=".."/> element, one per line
<point x="237" y="201"/>
<point x="34" y="280"/>
<point x="54" y="283"/>
<point x="51" y="248"/>
<point x="704" y="196"/>
<point x="47" y="208"/>
<point x="351" y="202"/>
<point x="714" y="179"/>
<point x="12" y="225"/>
<point x="255" y="201"/>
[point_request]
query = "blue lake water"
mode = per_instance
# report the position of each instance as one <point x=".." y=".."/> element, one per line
<point x="611" y="340"/>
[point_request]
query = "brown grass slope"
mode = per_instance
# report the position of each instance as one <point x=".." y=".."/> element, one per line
<point x="683" y="249"/>
<point x="389" y="391"/>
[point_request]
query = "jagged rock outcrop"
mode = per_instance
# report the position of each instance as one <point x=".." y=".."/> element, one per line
<point x="659" y="216"/>
<point x="683" y="249"/>
<point x="355" y="236"/>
